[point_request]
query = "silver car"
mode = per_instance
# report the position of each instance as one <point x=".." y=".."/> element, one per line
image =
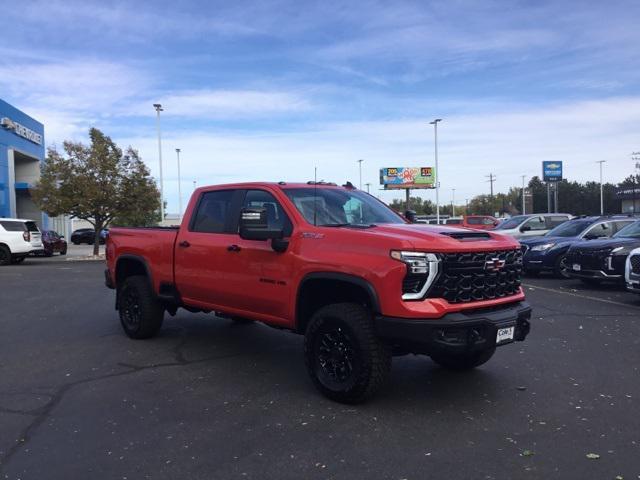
<point x="535" y="225"/>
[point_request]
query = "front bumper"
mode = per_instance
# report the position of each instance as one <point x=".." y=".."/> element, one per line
<point x="456" y="333"/>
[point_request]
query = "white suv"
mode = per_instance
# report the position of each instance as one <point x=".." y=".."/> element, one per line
<point x="17" y="239"/>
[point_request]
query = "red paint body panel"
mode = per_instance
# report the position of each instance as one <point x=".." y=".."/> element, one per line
<point x="257" y="282"/>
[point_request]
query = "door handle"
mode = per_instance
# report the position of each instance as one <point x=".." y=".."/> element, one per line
<point x="184" y="244"/>
<point x="233" y="248"/>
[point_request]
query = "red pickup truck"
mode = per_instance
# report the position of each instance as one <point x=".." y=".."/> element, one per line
<point x="334" y="264"/>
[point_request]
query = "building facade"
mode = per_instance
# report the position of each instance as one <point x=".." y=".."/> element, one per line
<point x="21" y="154"/>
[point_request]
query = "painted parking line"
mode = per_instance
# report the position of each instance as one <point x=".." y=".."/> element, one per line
<point x="588" y="297"/>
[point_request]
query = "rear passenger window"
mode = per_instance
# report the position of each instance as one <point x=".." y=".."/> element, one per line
<point x="32" y="227"/>
<point x="555" y="221"/>
<point x="474" y="221"/>
<point x="13" y="226"/>
<point x="212" y="215"/>
<point x="536" y="223"/>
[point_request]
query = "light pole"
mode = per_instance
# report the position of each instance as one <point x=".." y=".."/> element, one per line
<point x="523" y="202"/>
<point x="437" y="179"/>
<point x="360" y="169"/>
<point x="453" y="202"/>
<point x="601" y="192"/>
<point x="159" y="109"/>
<point x="179" y="185"/>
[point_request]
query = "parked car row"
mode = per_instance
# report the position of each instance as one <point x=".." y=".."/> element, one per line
<point x="593" y="249"/>
<point x="88" y="236"/>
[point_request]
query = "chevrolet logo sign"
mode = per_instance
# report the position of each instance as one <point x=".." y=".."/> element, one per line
<point x="494" y="264"/>
<point x="21" y="130"/>
<point x="553" y="166"/>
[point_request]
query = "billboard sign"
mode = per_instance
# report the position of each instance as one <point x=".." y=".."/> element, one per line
<point x="552" y="171"/>
<point x="407" y="177"/>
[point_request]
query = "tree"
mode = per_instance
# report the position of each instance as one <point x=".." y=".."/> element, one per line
<point x="97" y="183"/>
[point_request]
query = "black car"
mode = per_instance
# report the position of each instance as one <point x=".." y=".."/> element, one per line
<point x="548" y="252"/>
<point x="87" y="235"/>
<point x="600" y="260"/>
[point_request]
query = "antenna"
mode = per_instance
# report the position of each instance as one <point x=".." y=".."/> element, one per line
<point x="315" y="197"/>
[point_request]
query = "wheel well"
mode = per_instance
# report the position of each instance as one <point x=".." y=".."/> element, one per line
<point x="318" y="292"/>
<point x="127" y="267"/>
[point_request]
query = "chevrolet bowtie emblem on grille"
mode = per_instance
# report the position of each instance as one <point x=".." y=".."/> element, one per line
<point x="494" y="264"/>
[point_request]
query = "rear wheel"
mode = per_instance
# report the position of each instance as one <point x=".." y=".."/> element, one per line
<point x="346" y="361"/>
<point x="5" y="255"/>
<point x="63" y="251"/>
<point x="463" y="361"/>
<point x="561" y="269"/>
<point x="141" y="314"/>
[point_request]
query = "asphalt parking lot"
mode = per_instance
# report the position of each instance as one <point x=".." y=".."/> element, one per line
<point x="212" y="399"/>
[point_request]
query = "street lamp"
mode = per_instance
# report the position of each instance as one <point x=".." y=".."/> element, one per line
<point x="453" y="202"/>
<point x="601" y="193"/>
<point x="360" y="168"/>
<point x="159" y="109"/>
<point x="179" y="185"/>
<point x="523" y="202"/>
<point x="437" y="179"/>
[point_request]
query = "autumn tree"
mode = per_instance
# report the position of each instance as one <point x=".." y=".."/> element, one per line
<point x="96" y="183"/>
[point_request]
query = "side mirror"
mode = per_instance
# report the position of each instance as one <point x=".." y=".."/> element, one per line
<point x="525" y="228"/>
<point x="255" y="226"/>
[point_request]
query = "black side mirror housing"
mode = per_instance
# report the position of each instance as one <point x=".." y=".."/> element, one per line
<point x="255" y="226"/>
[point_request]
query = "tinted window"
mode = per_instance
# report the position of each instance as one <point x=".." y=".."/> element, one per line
<point x="32" y="226"/>
<point x="620" y="225"/>
<point x="454" y="221"/>
<point x="13" y="226"/>
<point x="213" y="212"/>
<point x="276" y="217"/>
<point x="474" y="221"/>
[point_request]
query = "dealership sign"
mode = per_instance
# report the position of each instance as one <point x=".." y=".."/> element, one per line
<point x="21" y="130"/>
<point x="407" y="177"/>
<point x="552" y="171"/>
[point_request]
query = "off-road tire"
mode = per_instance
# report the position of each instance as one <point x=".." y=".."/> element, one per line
<point x="463" y="362"/>
<point x="141" y="313"/>
<point x="5" y="255"/>
<point x="241" y="321"/>
<point x="358" y="356"/>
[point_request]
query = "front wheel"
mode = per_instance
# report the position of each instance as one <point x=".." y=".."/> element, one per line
<point x="461" y="362"/>
<point x="561" y="269"/>
<point x="141" y="313"/>
<point x="346" y="361"/>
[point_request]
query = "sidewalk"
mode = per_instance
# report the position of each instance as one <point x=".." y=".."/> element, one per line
<point x="74" y="253"/>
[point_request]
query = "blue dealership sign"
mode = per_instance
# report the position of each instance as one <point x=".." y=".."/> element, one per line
<point x="552" y="171"/>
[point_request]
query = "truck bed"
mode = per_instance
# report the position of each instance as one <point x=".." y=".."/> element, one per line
<point x="153" y="244"/>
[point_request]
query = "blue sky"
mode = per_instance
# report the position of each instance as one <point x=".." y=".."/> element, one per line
<point x="268" y="90"/>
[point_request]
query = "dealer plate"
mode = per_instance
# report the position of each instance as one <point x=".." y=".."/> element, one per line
<point x="505" y="334"/>
<point x="576" y="267"/>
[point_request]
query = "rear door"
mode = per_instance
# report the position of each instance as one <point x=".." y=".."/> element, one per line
<point x="537" y="226"/>
<point x="205" y="268"/>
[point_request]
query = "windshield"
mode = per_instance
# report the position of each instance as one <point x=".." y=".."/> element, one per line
<point x="630" y="231"/>
<point x="570" y="229"/>
<point x="336" y="207"/>
<point x="513" y="222"/>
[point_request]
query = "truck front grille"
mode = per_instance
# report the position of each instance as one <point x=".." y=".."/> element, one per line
<point x="476" y="276"/>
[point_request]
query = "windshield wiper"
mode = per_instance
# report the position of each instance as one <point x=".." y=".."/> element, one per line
<point x="349" y="225"/>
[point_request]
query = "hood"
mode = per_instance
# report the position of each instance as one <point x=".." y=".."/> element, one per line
<point x="608" y="243"/>
<point x="532" y="242"/>
<point x="439" y="238"/>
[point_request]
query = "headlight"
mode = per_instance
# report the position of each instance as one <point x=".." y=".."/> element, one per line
<point x="542" y="248"/>
<point x="422" y="269"/>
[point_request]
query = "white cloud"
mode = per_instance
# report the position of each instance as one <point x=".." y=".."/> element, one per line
<point x="508" y="143"/>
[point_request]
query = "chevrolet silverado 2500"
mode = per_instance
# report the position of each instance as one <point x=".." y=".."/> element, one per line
<point x="334" y="264"/>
